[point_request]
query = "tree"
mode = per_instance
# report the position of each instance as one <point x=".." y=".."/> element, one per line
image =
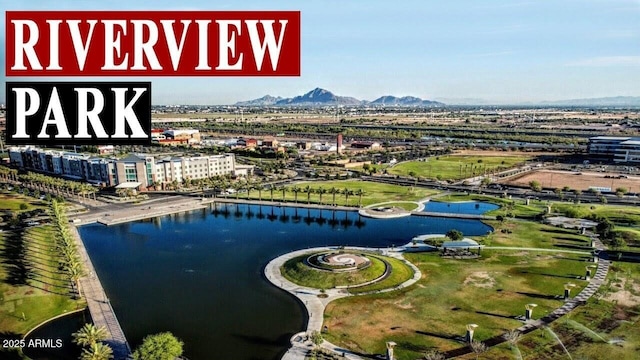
<point x="535" y="185"/>
<point x="97" y="351"/>
<point x="89" y="334"/>
<point x="316" y="338"/>
<point x="618" y="242"/>
<point x="161" y="346"/>
<point x="333" y="191"/>
<point x="454" y="234"/>
<point x="486" y="181"/>
<point x="604" y="228"/>
<point x="359" y="193"/>
<point x="321" y="191"/>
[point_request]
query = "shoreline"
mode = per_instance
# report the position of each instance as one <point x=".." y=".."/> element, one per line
<point x="315" y="305"/>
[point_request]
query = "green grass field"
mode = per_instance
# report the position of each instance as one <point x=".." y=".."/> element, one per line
<point x="619" y="215"/>
<point x="400" y="272"/>
<point x="534" y="235"/>
<point x="612" y="314"/>
<point x="296" y="271"/>
<point x="452" y="293"/>
<point x="453" y="167"/>
<point x="373" y="193"/>
<point x="32" y="289"/>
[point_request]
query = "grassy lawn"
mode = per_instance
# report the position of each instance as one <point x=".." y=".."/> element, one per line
<point x="536" y="235"/>
<point x="400" y="272"/>
<point x="453" y="167"/>
<point x="32" y="289"/>
<point x="452" y="293"/>
<point x="373" y="193"/>
<point x="586" y="330"/>
<point x="619" y="215"/>
<point x="296" y="271"/>
<point x="12" y="202"/>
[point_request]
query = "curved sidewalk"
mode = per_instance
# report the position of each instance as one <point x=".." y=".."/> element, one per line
<point x="314" y="305"/>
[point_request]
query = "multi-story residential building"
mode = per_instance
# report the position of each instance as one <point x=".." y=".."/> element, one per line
<point x="135" y="168"/>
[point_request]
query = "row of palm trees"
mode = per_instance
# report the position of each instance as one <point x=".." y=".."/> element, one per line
<point x="222" y="183"/>
<point x="308" y="190"/>
<point x="69" y="260"/>
<point x="48" y="184"/>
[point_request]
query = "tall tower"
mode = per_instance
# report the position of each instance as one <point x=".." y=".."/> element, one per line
<point x="339" y="144"/>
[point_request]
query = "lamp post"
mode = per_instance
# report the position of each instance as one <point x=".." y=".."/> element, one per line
<point x="390" y="346"/>
<point x="529" y="311"/>
<point x="587" y="277"/>
<point x="567" y="290"/>
<point x="470" y="329"/>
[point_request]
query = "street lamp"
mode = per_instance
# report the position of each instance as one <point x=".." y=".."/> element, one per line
<point x="470" y="329"/>
<point x="587" y="277"/>
<point x="390" y="346"/>
<point x="529" y="311"/>
<point x="567" y="290"/>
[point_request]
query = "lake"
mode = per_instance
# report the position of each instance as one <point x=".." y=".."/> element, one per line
<point x="199" y="274"/>
<point x="467" y="207"/>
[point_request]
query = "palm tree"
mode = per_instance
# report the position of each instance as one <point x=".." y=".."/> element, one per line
<point x="97" y="351"/>
<point x="333" y="191"/>
<point x="359" y="193"/>
<point x="258" y="185"/>
<point x="346" y="193"/>
<point x="321" y="191"/>
<point x="283" y="189"/>
<point x="295" y="189"/>
<point x="309" y="191"/>
<point x="89" y="334"/>
<point x="271" y="191"/>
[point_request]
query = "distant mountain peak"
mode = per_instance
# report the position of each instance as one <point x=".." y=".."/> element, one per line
<point x="390" y="100"/>
<point x="323" y="97"/>
<point x="263" y="101"/>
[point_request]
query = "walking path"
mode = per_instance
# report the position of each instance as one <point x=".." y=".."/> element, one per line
<point x="100" y="308"/>
<point x="315" y="306"/>
<point x="301" y="343"/>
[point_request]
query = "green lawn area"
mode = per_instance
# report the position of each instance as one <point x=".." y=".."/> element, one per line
<point x="12" y="202"/>
<point x="585" y="330"/>
<point x="373" y="193"/>
<point x="295" y="270"/>
<point x="452" y="293"/>
<point x="536" y="235"/>
<point x="32" y="289"/>
<point x="453" y="167"/>
<point x="619" y="215"/>
<point x="400" y="272"/>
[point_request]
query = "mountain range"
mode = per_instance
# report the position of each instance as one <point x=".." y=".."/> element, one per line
<point x="322" y="97"/>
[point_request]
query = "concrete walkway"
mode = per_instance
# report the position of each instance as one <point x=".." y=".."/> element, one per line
<point x="300" y="343"/>
<point x="100" y="308"/>
<point x="315" y="306"/>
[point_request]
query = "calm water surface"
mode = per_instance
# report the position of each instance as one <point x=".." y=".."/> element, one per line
<point x="199" y="274"/>
<point x="468" y="207"/>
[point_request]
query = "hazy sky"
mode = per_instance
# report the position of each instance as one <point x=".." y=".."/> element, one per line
<point x="502" y="51"/>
